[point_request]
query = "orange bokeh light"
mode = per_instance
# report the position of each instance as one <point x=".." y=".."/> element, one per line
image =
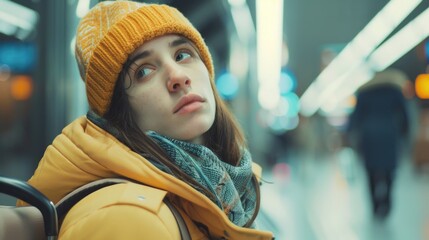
<point x="21" y="87"/>
<point x="422" y="86"/>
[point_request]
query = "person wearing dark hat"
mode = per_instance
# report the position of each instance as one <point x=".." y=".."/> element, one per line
<point x="157" y="120"/>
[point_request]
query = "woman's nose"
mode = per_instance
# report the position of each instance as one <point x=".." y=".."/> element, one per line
<point x="177" y="79"/>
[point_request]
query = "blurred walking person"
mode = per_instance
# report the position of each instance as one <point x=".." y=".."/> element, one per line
<point x="377" y="126"/>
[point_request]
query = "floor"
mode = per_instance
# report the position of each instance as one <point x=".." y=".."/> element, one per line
<point x="326" y="198"/>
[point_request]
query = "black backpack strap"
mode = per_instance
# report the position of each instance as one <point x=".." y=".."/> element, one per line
<point x="65" y="204"/>
<point x="184" y="232"/>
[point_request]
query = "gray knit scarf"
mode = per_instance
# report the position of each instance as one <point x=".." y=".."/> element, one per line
<point x="232" y="185"/>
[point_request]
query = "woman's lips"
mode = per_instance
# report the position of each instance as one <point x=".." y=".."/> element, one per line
<point x="188" y="103"/>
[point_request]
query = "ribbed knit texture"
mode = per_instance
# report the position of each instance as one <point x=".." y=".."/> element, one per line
<point x="111" y="31"/>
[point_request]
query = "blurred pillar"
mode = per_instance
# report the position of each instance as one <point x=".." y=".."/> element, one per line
<point x="56" y="75"/>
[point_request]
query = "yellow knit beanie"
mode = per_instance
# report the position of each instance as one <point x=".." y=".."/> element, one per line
<point x="112" y="30"/>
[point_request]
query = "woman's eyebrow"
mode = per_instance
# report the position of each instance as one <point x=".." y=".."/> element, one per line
<point x="179" y="41"/>
<point x="141" y="55"/>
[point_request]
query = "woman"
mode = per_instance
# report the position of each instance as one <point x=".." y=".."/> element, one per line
<point x="155" y="118"/>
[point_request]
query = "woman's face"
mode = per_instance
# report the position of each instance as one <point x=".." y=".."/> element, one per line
<point x="170" y="91"/>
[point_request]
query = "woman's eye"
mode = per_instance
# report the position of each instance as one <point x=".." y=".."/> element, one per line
<point x="182" y="56"/>
<point x="143" y="72"/>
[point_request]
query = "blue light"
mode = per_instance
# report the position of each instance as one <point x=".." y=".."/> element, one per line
<point x="227" y="84"/>
<point x="287" y="82"/>
<point x="293" y="103"/>
<point x="19" y="56"/>
<point x="427" y="50"/>
<point x="282" y="124"/>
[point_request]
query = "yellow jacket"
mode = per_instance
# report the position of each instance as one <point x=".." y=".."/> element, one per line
<point x="83" y="153"/>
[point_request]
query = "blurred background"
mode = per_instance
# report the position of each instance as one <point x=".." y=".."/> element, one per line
<point x="290" y="70"/>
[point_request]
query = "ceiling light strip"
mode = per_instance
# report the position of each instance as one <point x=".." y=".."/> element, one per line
<point x="356" y="51"/>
